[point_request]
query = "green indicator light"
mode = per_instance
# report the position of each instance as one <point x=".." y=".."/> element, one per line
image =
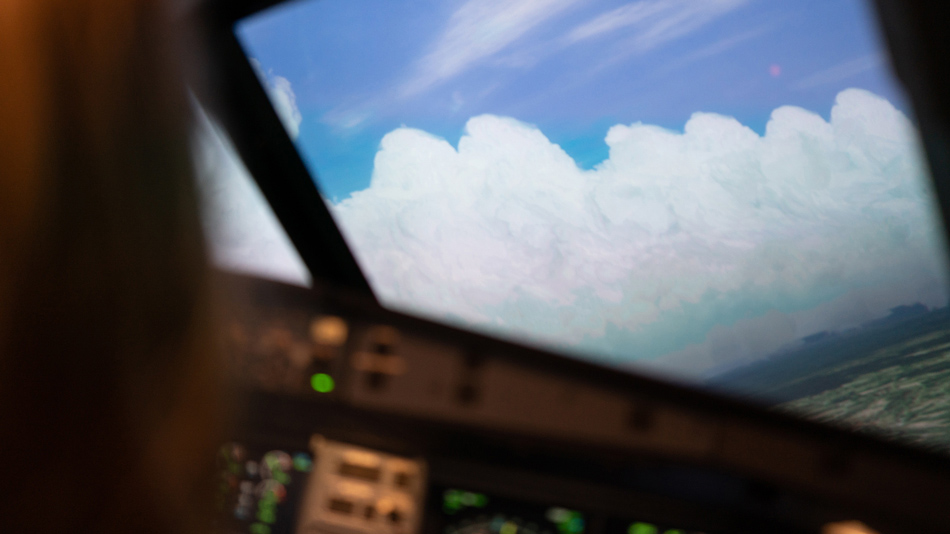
<point x="302" y="463"/>
<point x="267" y="516"/>
<point x="576" y="525"/>
<point x="674" y="531"/>
<point x="468" y="499"/>
<point x="259" y="528"/>
<point x="480" y="500"/>
<point x="322" y="383"/>
<point x="642" y="528"/>
<point x="452" y="499"/>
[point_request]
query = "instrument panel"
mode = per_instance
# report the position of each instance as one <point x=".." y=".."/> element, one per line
<point x="359" y="420"/>
<point x="338" y="487"/>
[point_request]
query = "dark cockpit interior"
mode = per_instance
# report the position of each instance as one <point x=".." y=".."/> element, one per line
<point x="560" y="267"/>
<point x="564" y="267"/>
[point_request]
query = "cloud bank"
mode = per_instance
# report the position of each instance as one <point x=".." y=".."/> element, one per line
<point x="690" y="250"/>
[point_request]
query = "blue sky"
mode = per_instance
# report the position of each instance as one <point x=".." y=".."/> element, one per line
<point x="690" y="183"/>
<point x="361" y="68"/>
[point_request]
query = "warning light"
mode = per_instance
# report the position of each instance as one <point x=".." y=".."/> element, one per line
<point x="322" y="383"/>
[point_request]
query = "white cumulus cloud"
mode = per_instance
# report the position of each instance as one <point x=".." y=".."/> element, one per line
<point x="673" y="229"/>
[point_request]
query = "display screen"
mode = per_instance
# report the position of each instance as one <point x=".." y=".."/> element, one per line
<point x="728" y="193"/>
<point x="259" y="489"/>
<point x="461" y="511"/>
<point x="469" y="512"/>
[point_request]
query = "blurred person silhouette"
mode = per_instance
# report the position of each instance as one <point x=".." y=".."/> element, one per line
<point x="109" y="378"/>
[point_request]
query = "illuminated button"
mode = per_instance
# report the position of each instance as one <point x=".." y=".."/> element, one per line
<point x="271" y="490"/>
<point x="451" y="501"/>
<point x="322" y="383"/>
<point x="329" y="330"/>
<point x="302" y="462"/>
<point x="642" y="528"/>
<point x="267" y="515"/>
<point x="275" y="462"/>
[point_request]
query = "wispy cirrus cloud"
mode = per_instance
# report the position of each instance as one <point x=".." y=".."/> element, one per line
<point x="494" y="32"/>
<point x="476" y="31"/>
<point x="840" y="72"/>
<point x="716" y="48"/>
<point x="615" y="19"/>
<point x="651" y="23"/>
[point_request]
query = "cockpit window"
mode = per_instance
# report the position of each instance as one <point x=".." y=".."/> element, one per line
<point x="730" y="193"/>
<point x="242" y="232"/>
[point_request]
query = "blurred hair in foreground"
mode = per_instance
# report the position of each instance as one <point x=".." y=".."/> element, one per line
<point x="109" y="378"/>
